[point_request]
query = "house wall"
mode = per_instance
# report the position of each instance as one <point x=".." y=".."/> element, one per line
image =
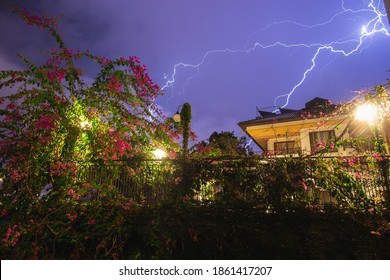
<point x="303" y="140"/>
<point x="271" y="142"/>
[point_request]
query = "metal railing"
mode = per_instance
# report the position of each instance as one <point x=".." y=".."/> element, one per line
<point x="158" y="181"/>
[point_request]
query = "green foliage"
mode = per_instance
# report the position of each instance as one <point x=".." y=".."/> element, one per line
<point x="185" y="119"/>
<point x="222" y="143"/>
<point x="56" y="129"/>
<point x="217" y="231"/>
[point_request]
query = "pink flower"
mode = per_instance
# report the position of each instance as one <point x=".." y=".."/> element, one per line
<point x="57" y="74"/>
<point x="378" y="157"/>
<point x="59" y="169"/>
<point x="11" y="106"/>
<point x="114" y="85"/>
<point x="46" y="123"/>
<point x="304" y="186"/>
<point x="87" y="185"/>
<point x="9" y="118"/>
<point x="105" y="61"/>
<point x="178" y="180"/>
<point x="91" y="222"/>
<point x="375" y="233"/>
<point x="13" y="234"/>
<point x="60" y="100"/>
<point x="71" y="217"/>
<point x="128" y="204"/>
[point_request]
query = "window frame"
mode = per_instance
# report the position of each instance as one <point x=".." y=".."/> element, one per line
<point x="286" y="150"/>
<point x="314" y="142"/>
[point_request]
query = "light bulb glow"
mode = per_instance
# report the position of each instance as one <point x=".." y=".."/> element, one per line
<point x="367" y="112"/>
<point x="159" y="154"/>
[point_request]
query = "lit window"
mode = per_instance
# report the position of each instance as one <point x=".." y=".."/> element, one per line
<point x="285" y="147"/>
<point x="321" y="140"/>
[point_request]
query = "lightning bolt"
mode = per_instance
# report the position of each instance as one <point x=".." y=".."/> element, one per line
<point x="247" y="145"/>
<point x="373" y="26"/>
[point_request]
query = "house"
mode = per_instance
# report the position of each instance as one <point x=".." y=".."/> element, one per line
<point x="387" y="6"/>
<point x="315" y="127"/>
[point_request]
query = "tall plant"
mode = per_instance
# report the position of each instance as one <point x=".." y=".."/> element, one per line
<point x="56" y="124"/>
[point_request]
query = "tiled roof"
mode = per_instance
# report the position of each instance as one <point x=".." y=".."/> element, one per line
<point x="312" y="107"/>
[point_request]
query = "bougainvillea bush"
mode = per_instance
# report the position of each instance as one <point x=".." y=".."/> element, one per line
<point x="55" y="128"/>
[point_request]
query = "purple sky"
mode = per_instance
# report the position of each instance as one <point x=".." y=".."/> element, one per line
<point x="218" y="35"/>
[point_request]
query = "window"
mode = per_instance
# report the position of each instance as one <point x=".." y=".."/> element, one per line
<point x="286" y="147"/>
<point x="321" y="140"/>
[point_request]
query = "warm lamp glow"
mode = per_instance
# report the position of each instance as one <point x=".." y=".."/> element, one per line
<point x="84" y="124"/>
<point x="367" y="112"/>
<point x="159" y="154"/>
<point x="176" y="117"/>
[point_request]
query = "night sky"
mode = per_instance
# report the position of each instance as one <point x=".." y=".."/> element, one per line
<point x="244" y="53"/>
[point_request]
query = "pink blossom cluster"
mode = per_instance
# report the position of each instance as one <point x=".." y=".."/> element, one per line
<point x="320" y="145"/>
<point x="3" y="213"/>
<point x="119" y="144"/>
<point x="127" y="205"/>
<point x="9" y="118"/>
<point x="59" y="169"/>
<point x="10" y="106"/>
<point x="351" y="161"/>
<point x="91" y="222"/>
<point x="105" y="61"/>
<point x="73" y="217"/>
<point x="44" y="139"/>
<point x="178" y="180"/>
<point x="13" y="234"/>
<point x="114" y="85"/>
<point x="145" y="84"/>
<point x="16" y="174"/>
<point x="87" y="185"/>
<point x="57" y="74"/>
<point x="73" y="194"/>
<point x="59" y="55"/>
<point x="378" y="157"/>
<point x="46" y="123"/>
<point x="41" y="22"/>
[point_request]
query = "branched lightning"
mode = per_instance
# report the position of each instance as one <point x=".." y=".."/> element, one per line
<point x="373" y="26"/>
<point x="247" y="145"/>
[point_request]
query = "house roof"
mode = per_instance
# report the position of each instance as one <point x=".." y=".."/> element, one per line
<point x="314" y="107"/>
<point x="387" y="6"/>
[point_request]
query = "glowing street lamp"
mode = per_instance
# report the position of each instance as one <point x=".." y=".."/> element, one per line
<point x="372" y="114"/>
<point x="84" y="124"/>
<point x="177" y="117"/>
<point x="367" y="112"/>
<point x="159" y="154"/>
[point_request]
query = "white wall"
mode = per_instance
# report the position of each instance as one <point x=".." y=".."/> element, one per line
<point x="303" y="140"/>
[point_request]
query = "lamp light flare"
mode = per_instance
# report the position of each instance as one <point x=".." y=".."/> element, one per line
<point x="159" y="154"/>
<point x="84" y="124"/>
<point x="367" y="112"/>
<point x="177" y="117"/>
